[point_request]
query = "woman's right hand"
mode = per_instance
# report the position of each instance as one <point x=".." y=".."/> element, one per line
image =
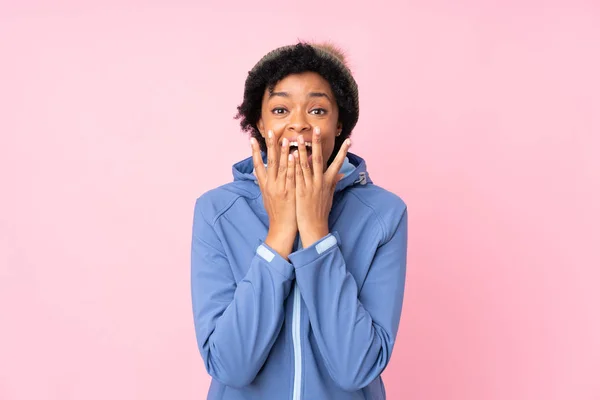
<point x="277" y="183"/>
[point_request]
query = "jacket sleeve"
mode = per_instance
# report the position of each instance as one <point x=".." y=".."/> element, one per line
<point x="236" y="324"/>
<point x="355" y="331"/>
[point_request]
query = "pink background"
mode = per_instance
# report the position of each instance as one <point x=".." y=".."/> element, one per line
<point x="483" y="116"/>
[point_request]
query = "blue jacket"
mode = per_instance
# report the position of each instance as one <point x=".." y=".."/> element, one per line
<point x="321" y="326"/>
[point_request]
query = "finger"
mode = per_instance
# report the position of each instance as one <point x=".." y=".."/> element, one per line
<point x="306" y="172"/>
<point x="271" y="157"/>
<point x="291" y="174"/>
<point x="300" y="185"/>
<point x="317" y="157"/>
<point x="337" y="163"/>
<point x="259" y="167"/>
<point x="283" y="166"/>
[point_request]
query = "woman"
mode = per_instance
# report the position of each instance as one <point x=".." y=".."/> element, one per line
<point x="298" y="265"/>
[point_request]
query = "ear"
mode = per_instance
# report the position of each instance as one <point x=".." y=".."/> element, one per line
<point x="339" y="128"/>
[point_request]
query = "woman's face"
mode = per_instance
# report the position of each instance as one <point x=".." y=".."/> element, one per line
<point x="298" y="104"/>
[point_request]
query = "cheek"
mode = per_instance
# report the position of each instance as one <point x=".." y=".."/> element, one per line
<point x="327" y="147"/>
<point x="275" y="124"/>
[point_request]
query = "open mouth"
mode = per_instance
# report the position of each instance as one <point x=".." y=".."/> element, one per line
<point x="294" y="147"/>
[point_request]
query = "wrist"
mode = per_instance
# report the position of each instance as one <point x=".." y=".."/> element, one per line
<point x="281" y="242"/>
<point x="310" y="236"/>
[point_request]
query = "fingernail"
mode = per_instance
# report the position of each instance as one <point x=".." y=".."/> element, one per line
<point x="317" y="130"/>
<point x="301" y="139"/>
<point x="290" y="158"/>
<point x="252" y="141"/>
<point x="296" y="153"/>
<point x="348" y="143"/>
<point x="270" y="133"/>
<point x="284" y="142"/>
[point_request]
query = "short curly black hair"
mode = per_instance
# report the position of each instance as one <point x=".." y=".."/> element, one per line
<point x="294" y="59"/>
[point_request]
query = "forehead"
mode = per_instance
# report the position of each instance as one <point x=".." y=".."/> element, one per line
<point x="302" y="84"/>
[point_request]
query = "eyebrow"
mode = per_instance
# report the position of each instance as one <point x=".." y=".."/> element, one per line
<point x="311" y="94"/>
<point x="282" y="94"/>
<point x="319" y="94"/>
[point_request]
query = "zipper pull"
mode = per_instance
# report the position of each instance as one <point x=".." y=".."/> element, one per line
<point x="362" y="178"/>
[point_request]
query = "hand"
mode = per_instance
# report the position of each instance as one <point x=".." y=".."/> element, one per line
<point x="315" y="188"/>
<point x="277" y="184"/>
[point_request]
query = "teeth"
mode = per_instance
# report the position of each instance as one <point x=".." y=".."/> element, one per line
<point x="308" y="144"/>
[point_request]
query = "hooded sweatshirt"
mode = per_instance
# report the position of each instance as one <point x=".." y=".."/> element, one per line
<point x="321" y="326"/>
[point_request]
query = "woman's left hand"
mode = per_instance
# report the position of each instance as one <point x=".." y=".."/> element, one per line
<point x="315" y="188"/>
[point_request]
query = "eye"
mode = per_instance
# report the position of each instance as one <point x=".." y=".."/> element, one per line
<point x="278" y="110"/>
<point x="321" y="111"/>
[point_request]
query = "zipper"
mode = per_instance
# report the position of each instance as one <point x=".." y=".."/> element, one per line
<point x="297" y="344"/>
<point x="296" y="341"/>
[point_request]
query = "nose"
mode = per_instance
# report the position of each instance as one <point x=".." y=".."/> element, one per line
<point x="298" y="122"/>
